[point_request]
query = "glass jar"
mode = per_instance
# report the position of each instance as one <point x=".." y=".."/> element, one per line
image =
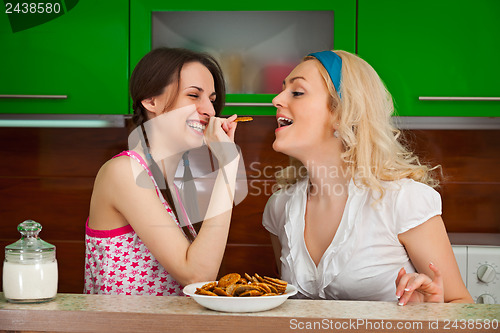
<point x="30" y="267"/>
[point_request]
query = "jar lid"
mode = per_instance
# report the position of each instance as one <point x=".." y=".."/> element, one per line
<point x="30" y="247"/>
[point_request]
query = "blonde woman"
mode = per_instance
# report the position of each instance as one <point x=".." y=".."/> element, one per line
<point x="356" y="217"/>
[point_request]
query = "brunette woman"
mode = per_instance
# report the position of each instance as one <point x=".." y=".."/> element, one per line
<point x="139" y="240"/>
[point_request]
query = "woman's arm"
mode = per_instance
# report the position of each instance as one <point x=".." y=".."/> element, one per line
<point x="277" y="251"/>
<point x="428" y="243"/>
<point x="186" y="262"/>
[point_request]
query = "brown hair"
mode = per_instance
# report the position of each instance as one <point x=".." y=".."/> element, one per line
<point x="153" y="73"/>
<point x="162" y="67"/>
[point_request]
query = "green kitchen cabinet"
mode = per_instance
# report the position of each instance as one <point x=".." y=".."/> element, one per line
<point x="74" y="61"/>
<point x="434" y="48"/>
<point x="256" y="42"/>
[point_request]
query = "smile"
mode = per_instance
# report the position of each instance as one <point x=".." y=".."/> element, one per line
<point x="282" y="122"/>
<point x="196" y="125"/>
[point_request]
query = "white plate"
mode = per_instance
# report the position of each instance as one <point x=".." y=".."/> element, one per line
<point x="238" y="304"/>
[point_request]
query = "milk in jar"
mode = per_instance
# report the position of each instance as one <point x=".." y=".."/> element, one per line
<point x="30" y="267"/>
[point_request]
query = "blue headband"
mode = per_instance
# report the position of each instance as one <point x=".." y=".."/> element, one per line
<point x="333" y="65"/>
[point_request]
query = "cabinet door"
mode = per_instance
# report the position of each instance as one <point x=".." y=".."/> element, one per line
<point x="444" y="48"/>
<point x="81" y="53"/>
<point x="257" y="43"/>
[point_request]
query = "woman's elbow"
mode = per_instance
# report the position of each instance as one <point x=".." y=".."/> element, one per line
<point x="464" y="299"/>
<point x="196" y="277"/>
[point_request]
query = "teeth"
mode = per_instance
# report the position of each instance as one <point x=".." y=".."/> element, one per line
<point x="196" y="125"/>
<point x="282" y="121"/>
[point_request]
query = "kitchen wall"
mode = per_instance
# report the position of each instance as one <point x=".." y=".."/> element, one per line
<point x="47" y="174"/>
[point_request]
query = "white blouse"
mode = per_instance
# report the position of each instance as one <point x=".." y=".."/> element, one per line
<point x="365" y="255"/>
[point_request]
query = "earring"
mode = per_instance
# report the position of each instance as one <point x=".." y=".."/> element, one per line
<point x="336" y="133"/>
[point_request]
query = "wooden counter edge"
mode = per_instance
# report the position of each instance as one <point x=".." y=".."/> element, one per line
<point x="101" y="321"/>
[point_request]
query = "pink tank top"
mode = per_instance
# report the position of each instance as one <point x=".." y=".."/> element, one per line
<point x="117" y="262"/>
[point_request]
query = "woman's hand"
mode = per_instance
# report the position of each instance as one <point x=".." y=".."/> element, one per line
<point x="221" y="129"/>
<point x="229" y="126"/>
<point x="415" y="287"/>
<point x="219" y="137"/>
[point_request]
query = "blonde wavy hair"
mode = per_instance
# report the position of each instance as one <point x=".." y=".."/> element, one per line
<point x="374" y="150"/>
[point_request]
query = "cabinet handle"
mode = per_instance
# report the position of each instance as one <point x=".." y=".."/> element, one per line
<point x="250" y="104"/>
<point x="431" y="98"/>
<point x="35" y="96"/>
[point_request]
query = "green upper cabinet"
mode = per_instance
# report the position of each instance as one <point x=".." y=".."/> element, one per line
<point x="434" y="48"/>
<point x="256" y="42"/>
<point x="77" y="49"/>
